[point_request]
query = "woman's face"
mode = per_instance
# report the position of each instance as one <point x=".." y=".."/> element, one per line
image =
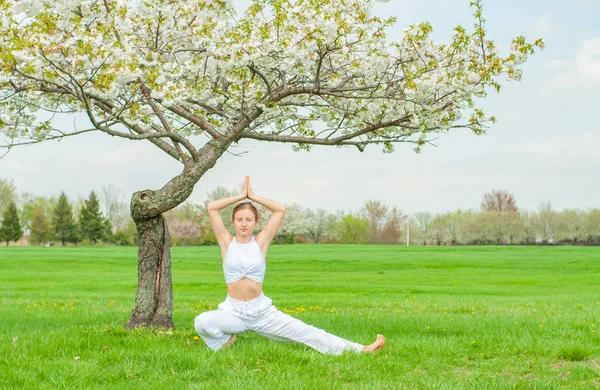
<point x="244" y="223"/>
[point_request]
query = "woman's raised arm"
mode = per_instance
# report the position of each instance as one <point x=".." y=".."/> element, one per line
<point x="265" y="237"/>
<point x="216" y="222"/>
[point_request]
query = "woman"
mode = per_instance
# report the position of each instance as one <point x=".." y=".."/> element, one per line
<point x="246" y="307"/>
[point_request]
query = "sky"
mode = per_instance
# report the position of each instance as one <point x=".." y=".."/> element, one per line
<point x="545" y="146"/>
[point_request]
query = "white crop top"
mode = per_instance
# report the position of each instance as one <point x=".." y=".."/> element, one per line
<point x="244" y="261"/>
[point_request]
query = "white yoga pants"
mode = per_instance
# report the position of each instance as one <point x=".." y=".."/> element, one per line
<point x="260" y="316"/>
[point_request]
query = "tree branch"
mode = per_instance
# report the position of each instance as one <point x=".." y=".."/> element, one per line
<point x="262" y="76"/>
<point x="341" y="140"/>
<point x="107" y="107"/>
<point x="195" y="120"/>
<point x="59" y="137"/>
<point x="166" y="126"/>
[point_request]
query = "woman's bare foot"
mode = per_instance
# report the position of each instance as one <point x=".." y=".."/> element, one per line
<point x="376" y="346"/>
<point x="231" y="340"/>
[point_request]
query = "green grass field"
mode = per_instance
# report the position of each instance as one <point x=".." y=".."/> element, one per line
<point x="454" y="318"/>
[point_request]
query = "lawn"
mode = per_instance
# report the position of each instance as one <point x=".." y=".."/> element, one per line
<point x="453" y="317"/>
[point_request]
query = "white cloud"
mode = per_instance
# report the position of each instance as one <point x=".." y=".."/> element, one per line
<point x="578" y="72"/>
<point x="561" y="149"/>
<point x="122" y="155"/>
<point x="544" y="26"/>
<point x="19" y="168"/>
<point x="588" y="59"/>
<point x="563" y="74"/>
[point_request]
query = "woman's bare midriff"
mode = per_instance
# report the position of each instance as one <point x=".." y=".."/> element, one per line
<point x="244" y="289"/>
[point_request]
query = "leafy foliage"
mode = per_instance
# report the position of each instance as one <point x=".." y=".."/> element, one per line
<point x="8" y="193"/>
<point x="65" y="228"/>
<point x="39" y="229"/>
<point x="353" y="230"/>
<point x="11" y="229"/>
<point x="92" y="224"/>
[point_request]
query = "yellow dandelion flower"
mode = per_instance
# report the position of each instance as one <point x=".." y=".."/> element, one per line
<point x="196" y="338"/>
<point x="62" y="308"/>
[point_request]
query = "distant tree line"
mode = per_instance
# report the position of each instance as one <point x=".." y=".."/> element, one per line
<point x="105" y="219"/>
<point x="50" y="220"/>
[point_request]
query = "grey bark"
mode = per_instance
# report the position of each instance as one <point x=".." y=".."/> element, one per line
<point x="154" y="294"/>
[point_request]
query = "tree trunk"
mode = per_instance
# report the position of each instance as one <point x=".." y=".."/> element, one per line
<point x="154" y="296"/>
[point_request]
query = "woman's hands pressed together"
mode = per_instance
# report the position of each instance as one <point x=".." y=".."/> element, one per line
<point x="247" y="190"/>
<point x="244" y="193"/>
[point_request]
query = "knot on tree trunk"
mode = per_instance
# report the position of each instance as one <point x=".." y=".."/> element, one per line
<point x="147" y="204"/>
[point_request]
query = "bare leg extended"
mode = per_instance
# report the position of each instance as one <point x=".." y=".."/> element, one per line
<point x="376" y="346"/>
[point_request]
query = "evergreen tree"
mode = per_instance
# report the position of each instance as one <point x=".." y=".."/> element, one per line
<point x="92" y="223"/>
<point x="65" y="228"/>
<point x="40" y="231"/>
<point x="11" y="226"/>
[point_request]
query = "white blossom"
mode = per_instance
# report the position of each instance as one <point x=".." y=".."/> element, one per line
<point x="109" y="58"/>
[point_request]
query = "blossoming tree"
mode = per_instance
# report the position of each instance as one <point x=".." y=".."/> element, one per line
<point x="305" y="72"/>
